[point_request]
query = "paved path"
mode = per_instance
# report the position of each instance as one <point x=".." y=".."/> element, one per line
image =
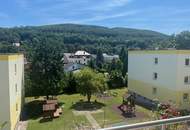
<point x="92" y="121"/>
<point x="89" y="117"/>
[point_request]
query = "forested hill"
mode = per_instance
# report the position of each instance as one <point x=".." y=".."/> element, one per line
<point x="86" y="37"/>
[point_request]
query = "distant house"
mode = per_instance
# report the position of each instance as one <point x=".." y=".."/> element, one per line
<point x="73" y="67"/>
<point x="80" y="57"/>
<point x="16" y="44"/>
<point x="109" y="58"/>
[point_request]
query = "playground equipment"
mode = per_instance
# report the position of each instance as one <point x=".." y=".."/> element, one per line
<point x="128" y="105"/>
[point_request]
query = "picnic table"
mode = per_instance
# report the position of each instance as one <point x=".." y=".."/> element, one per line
<point x="49" y="107"/>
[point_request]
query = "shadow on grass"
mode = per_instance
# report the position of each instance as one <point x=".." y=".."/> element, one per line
<point x="43" y="120"/>
<point x="89" y="106"/>
<point x="34" y="109"/>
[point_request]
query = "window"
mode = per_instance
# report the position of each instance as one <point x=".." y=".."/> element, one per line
<point x="185" y="96"/>
<point x="155" y="60"/>
<point x="187" y="62"/>
<point x="155" y="76"/>
<point x="187" y="79"/>
<point x="16" y="89"/>
<point x="15" y="69"/>
<point x="154" y="91"/>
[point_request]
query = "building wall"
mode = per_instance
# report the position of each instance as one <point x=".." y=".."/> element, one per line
<point x="16" y="79"/>
<point x="14" y="88"/>
<point x="182" y="71"/>
<point x="83" y="61"/>
<point x="4" y="93"/>
<point x="171" y="69"/>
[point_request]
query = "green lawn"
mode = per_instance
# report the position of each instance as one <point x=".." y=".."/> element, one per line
<point x="68" y="120"/>
<point x="112" y="116"/>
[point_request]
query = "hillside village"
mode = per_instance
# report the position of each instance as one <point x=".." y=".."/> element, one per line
<point x="157" y="80"/>
<point x="95" y="65"/>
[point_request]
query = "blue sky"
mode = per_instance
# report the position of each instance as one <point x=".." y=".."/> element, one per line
<point x="167" y="16"/>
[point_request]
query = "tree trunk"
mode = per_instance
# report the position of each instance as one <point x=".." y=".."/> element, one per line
<point x="88" y="97"/>
<point x="47" y="97"/>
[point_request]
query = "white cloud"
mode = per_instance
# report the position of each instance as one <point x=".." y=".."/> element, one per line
<point x="105" y="17"/>
<point x="106" y="5"/>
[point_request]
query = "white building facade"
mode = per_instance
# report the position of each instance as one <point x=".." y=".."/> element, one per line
<point x="162" y="75"/>
<point x="80" y="57"/>
<point x="11" y="89"/>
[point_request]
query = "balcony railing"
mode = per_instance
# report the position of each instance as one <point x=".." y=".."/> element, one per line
<point x="162" y="123"/>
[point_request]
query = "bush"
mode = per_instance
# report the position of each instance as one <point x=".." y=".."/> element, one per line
<point x="116" y="80"/>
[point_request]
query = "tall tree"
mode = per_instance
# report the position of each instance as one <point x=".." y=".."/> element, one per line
<point x="70" y="83"/>
<point x="92" y="63"/>
<point x="46" y="68"/>
<point x="99" y="59"/>
<point x="116" y="64"/>
<point x="122" y="53"/>
<point x="182" y="40"/>
<point x="124" y="58"/>
<point x="90" y="82"/>
<point x="115" y="79"/>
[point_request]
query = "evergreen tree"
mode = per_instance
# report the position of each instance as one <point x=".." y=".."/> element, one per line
<point x="46" y="70"/>
<point x="99" y="59"/>
<point x="116" y="65"/>
<point x="124" y="59"/>
<point x="71" y="83"/>
<point x="92" y="64"/>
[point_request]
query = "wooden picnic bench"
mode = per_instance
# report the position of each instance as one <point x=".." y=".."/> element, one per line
<point x="51" y="109"/>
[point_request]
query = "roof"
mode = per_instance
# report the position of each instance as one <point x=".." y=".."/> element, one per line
<point x="110" y="56"/>
<point x="83" y="53"/>
<point x="10" y="56"/>
<point x="160" y="52"/>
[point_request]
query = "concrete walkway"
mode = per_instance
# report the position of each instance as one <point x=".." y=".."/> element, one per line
<point x="89" y="117"/>
<point x="92" y="121"/>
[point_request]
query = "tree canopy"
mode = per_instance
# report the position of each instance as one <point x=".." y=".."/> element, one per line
<point x="90" y="82"/>
<point x="89" y="38"/>
<point x="46" y="69"/>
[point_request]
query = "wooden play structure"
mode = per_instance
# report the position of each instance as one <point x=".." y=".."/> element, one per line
<point x="128" y="105"/>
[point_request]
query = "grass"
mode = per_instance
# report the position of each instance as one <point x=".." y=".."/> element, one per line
<point x="113" y="117"/>
<point x="70" y="102"/>
<point x="67" y="121"/>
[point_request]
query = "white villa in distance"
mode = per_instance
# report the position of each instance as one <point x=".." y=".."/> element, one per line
<point x="161" y="74"/>
<point x="109" y="58"/>
<point x="17" y="44"/>
<point x="80" y="57"/>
